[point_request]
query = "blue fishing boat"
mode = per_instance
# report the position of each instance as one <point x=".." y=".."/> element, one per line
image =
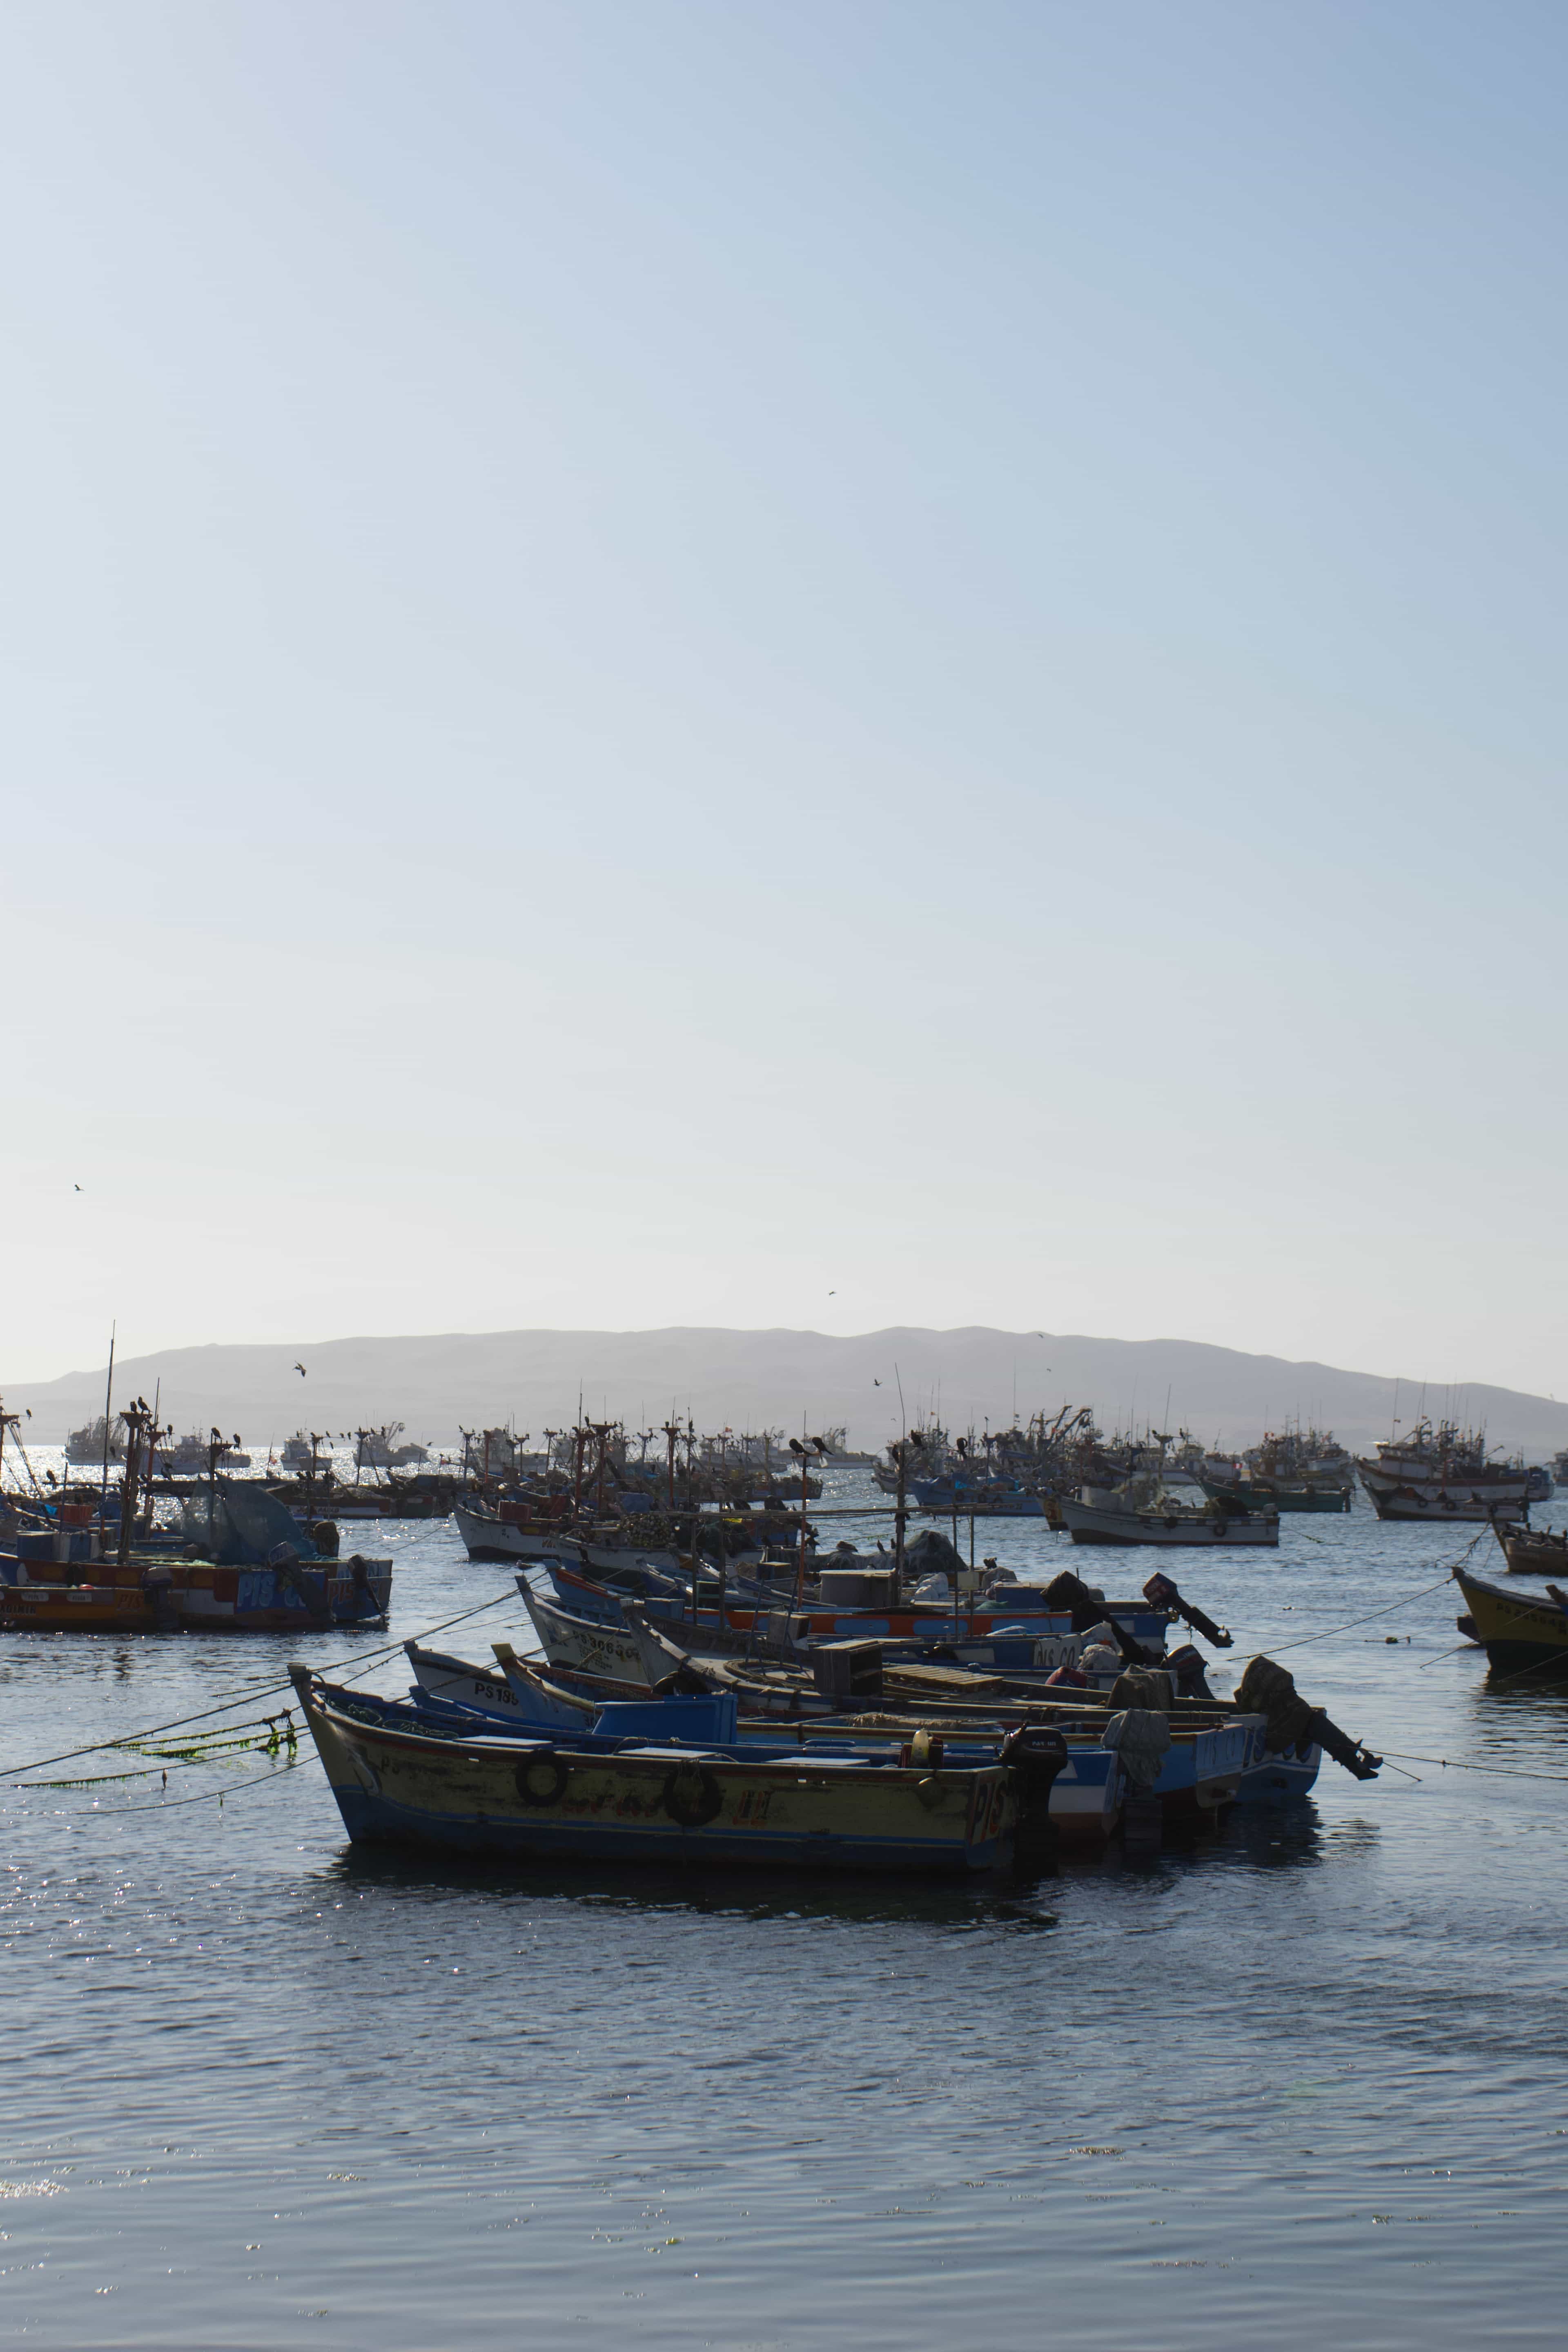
<point x="454" y="1685"/>
<point x="1204" y="1766"/>
<point x="1012" y="1610"/>
<point x="978" y="1498"/>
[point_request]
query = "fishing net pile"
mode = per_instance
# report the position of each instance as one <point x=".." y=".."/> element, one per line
<point x="241" y="1526"/>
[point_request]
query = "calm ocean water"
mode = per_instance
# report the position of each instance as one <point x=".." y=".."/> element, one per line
<point x="1303" y="2079"/>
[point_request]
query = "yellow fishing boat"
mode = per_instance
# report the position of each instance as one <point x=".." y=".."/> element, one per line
<point x="403" y="1780"/>
<point x="1515" y="1629"/>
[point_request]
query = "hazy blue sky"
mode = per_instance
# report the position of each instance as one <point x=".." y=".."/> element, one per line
<point x="660" y="660"/>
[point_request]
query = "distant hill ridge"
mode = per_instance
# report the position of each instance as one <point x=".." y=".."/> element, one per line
<point x="751" y="1379"/>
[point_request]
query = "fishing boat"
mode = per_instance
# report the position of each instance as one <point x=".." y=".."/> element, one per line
<point x="378" y="1449"/>
<point x="1064" y="1607"/>
<point x="101" y="1607"/>
<point x="1517" y="1631"/>
<point x="303" y="1455"/>
<point x="1116" y="1516"/>
<point x="1084" y="1802"/>
<point x="1292" y="1470"/>
<point x="86" y="1444"/>
<point x="401" y="1779"/>
<point x="513" y="1531"/>
<point x="544" y="1528"/>
<point x="1442" y="1473"/>
<point x="978" y="1498"/>
<point x="1267" y="1494"/>
<point x="1216" y="1754"/>
<point x="1531" y="1552"/>
<point x="489" y="1692"/>
<point x="192" y="1456"/>
<point x="1462" y="1501"/>
<point x="592" y="1645"/>
<point x="246" y="1566"/>
<point x="191" y="1596"/>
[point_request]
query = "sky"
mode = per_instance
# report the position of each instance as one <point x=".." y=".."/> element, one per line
<point x="813" y="664"/>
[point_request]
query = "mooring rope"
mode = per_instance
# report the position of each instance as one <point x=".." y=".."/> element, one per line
<point x="202" y="1796"/>
<point x="178" y="1722"/>
<point x="1458" y="1764"/>
<point x="1328" y="1632"/>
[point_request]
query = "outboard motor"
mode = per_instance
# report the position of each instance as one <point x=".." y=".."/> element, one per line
<point x="1160" y="1592"/>
<point x="1185" y="1667"/>
<point x="1034" y="1754"/>
<point x="1268" y="1690"/>
<point x="1069" y="1592"/>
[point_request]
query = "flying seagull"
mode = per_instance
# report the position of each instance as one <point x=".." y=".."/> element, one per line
<point x="76" y="1188"/>
<point x="875" y="1382"/>
<point x="833" y="1294"/>
<point x="300" y="1369"/>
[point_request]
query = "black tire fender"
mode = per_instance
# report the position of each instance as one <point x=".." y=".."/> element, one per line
<point x="691" y="1796"/>
<point x="527" y="1778"/>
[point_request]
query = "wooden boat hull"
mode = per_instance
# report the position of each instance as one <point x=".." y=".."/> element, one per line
<point x="1515" y="1629"/>
<point x="1279" y="1498"/>
<point x="1532" y="1551"/>
<point x="1271" y="1780"/>
<point x="589" y="1645"/>
<point x="975" y="1502"/>
<point x="1203" y="1773"/>
<point x="1087" y="1523"/>
<point x="1204" y="1770"/>
<point x="453" y="1682"/>
<point x="181" y="1597"/>
<point x="1462" y="1506"/>
<point x="81" y="1609"/>
<point x="488" y="1536"/>
<point x="581" y="1602"/>
<point x="1451" y="1495"/>
<point x="532" y="1802"/>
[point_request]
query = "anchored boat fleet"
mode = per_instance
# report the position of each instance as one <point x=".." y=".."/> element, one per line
<point x="714" y="1681"/>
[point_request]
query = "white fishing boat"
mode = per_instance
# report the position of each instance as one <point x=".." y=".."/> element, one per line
<point x="587" y="1646"/>
<point x="1119" y="1516"/>
<point x="191" y="1457"/>
<point x="379" y="1449"/>
<point x="85" y="1445"/>
<point x="520" y="1531"/>
<point x="302" y="1454"/>
<point x="1441" y="1473"/>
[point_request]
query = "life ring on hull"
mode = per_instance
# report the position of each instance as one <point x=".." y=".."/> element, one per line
<point x="692" y="1797"/>
<point x="1221" y="1529"/>
<point x="527" y="1785"/>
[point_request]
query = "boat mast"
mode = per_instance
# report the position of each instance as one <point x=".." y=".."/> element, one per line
<point x="139" y="1428"/>
<point x="107" y="1394"/>
<point x="601" y="1430"/>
